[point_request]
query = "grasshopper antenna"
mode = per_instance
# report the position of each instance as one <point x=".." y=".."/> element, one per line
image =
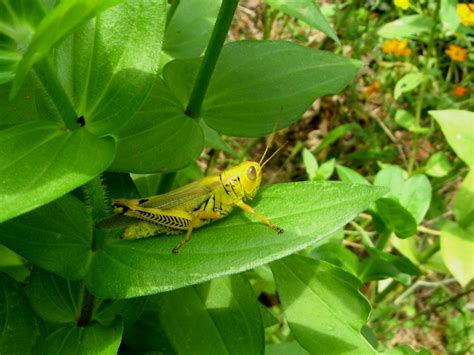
<point x="271" y="141"/>
<point x="275" y="153"/>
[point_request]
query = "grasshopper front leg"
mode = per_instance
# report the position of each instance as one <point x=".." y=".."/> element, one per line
<point x="265" y="220"/>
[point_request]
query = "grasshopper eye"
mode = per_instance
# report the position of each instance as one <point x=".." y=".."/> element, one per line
<point x="251" y="173"/>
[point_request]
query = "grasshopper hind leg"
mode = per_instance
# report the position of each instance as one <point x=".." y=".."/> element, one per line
<point x="184" y="241"/>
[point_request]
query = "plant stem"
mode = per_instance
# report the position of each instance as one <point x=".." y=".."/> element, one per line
<point x="218" y="36"/>
<point x="87" y="309"/>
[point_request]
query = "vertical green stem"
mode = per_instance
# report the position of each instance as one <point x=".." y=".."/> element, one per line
<point x="218" y="36"/>
<point x="87" y="309"/>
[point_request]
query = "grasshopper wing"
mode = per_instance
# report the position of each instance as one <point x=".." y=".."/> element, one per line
<point x="187" y="197"/>
<point x="116" y="221"/>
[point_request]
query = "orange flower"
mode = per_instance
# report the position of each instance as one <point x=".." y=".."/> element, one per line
<point x="372" y="88"/>
<point x="466" y="13"/>
<point x="458" y="54"/>
<point x="459" y="91"/>
<point x="396" y="47"/>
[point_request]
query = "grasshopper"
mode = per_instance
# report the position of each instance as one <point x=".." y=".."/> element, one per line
<point x="191" y="206"/>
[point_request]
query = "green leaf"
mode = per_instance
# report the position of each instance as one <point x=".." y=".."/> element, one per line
<point x="337" y="133"/>
<point x="381" y="265"/>
<point x="307" y="11"/>
<point x="56" y="25"/>
<point x="18" y="324"/>
<point x="41" y="161"/>
<point x="406" y="120"/>
<point x="56" y="237"/>
<point x="416" y="196"/>
<point x="220" y="316"/>
<point x="258" y="83"/>
<point x="307" y="211"/>
<point x="55" y="299"/>
<point x="108" y="66"/>
<point x="448" y="16"/>
<point x="91" y="339"/>
<point x="213" y="139"/>
<point x="286" y="348"/>
<point x="351" y="176"/>
<point x="458" y="128"/>
<point x="406" y="27"/>
<point x="13" y="264"/>
<point x="310" y="163"/>
<point x="337" y="254"/>
<point x="21" y="109"/>
<point x="407" y="83"/>
<point x="18" y="18"/>
<point x="457" y="249"/>
<point x="326" y="170"/>
<point x="463" y="206"/>
<point x="396" y="217"/>
<point x="391" y="177"/>
<point x="323" y="306"/>
<point x="189" y="30"/>
<point x="159" y="138"/>
<point x="438" y="165"/>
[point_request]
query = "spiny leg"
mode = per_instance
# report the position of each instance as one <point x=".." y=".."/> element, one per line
<point x="197" y="216"/>
<point x="265" y="220"/>
<point x="186" y="239"/>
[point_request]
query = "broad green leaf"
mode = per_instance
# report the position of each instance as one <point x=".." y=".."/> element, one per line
<point x="258" y="83"/>
<point x="286" y="348"/>
<point x="337" y="254"/>
<point x="149" y="184"/>
<point x="18" y="18"/>
<point x="91" y="339"/>
<point x="396" y="217"/>
<point x="41" y="161"/>
<point x="159" y="138"/>
<point x="129" y="310"/>
<point x="21" y="109"/>
<point x="337" y="133"/>
<point x="108" y="65"/>
<point x="406" y="120"/>
<point x="391" y="177"/>
<point x="213" y="140"/>
<point x="307" y="211"/>
<point x="406" y="27"/>
<point x="438" y="165"/>
<point x="13" y="264"/>
<point x="55" y="26"/>
<point x="407" y="83"/>
<point x="381" y="265"/>
<point x="448" y="16"/>
<point x="323" y="306"/>
<point x="326" y="170"/>
<point x="189" y="30"/>
<point x="351" y="176"/>
<point x="18" y="324"/>
<point x="458" y="128"/>
<point x="457" y="249"/>
<point x="56" y="237"/>
<point x="408" y="248"/>
<point x="220" y="316"/>
<point x="416" y="196"/>
<point x="307" y="11"/>
<point x="55" y="299"/>
<point x="310" y="164"/>
<point x="463" y="206"/>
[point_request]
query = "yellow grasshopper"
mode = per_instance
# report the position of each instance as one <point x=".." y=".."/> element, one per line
<point x="191" y="206"/>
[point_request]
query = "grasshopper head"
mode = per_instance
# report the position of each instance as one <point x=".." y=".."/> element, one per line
<point x="250" y="177"/>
